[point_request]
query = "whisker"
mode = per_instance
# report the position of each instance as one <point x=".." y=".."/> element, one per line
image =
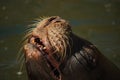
<point x="21" y="65"/>
<point x="19" y="54"/>
<point x="21" y="58"/>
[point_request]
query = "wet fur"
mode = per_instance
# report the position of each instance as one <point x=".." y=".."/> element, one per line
<point x="79" y="59"/>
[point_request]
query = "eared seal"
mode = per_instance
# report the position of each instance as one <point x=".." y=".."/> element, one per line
<point x="53" y="52"/>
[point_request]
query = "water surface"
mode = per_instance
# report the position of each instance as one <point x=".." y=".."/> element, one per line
<point x="95" y="20"/>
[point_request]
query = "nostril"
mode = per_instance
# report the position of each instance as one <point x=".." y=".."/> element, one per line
<point x="57" y="21"/>
<point x="52" y="19"/>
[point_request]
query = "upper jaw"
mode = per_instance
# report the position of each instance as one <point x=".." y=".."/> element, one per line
<point x="30" y="52"/>
<point x="33" y="47"/>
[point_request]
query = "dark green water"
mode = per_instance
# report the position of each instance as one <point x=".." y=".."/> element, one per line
<point x="96" y="20"/>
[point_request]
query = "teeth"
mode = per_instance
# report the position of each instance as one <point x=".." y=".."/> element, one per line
<point x="44" y="48"/>
<point x="32" y="40"/>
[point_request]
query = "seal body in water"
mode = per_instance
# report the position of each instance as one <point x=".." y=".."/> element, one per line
<point x="53" y="52"/>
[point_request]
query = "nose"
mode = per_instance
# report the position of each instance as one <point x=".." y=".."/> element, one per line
<point x="58" y="19"/>
<point x="52" y="18"/>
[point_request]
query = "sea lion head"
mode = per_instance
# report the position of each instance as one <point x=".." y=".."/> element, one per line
<point x="46" y="48"/>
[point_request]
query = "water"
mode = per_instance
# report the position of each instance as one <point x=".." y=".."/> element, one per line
<point x="95" y="20"/>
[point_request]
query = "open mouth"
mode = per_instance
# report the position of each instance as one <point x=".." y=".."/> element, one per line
<point x="51" y="61"/>
<point x="36" y="42"/>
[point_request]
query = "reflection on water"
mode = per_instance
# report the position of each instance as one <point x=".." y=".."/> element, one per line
<point x="96" y="20"/>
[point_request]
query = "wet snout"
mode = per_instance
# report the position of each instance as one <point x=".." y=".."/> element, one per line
<point x="56" y="19"/>
<point x="31" y="52"/>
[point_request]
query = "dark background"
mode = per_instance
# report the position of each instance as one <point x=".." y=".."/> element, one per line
<point x="95" y="20"/>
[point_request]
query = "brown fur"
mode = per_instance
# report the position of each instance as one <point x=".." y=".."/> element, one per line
<point x="53" y="52"/>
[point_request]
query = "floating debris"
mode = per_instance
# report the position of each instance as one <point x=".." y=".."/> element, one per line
<point x="5" y="48"/>
<point x="6" y="17"/>
<point x="113" y="22"/>
<point x="107" y="5"/>
<point x="1" y="41"/>
<point x="19" y="73"/>
<point x="3" y="8"/>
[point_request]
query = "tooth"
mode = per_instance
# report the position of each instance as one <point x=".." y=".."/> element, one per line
<point x="44" y="47"/>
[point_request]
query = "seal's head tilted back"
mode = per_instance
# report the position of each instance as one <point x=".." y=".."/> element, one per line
<point x="46" y="48"/>
<point x="53" y="52"/>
